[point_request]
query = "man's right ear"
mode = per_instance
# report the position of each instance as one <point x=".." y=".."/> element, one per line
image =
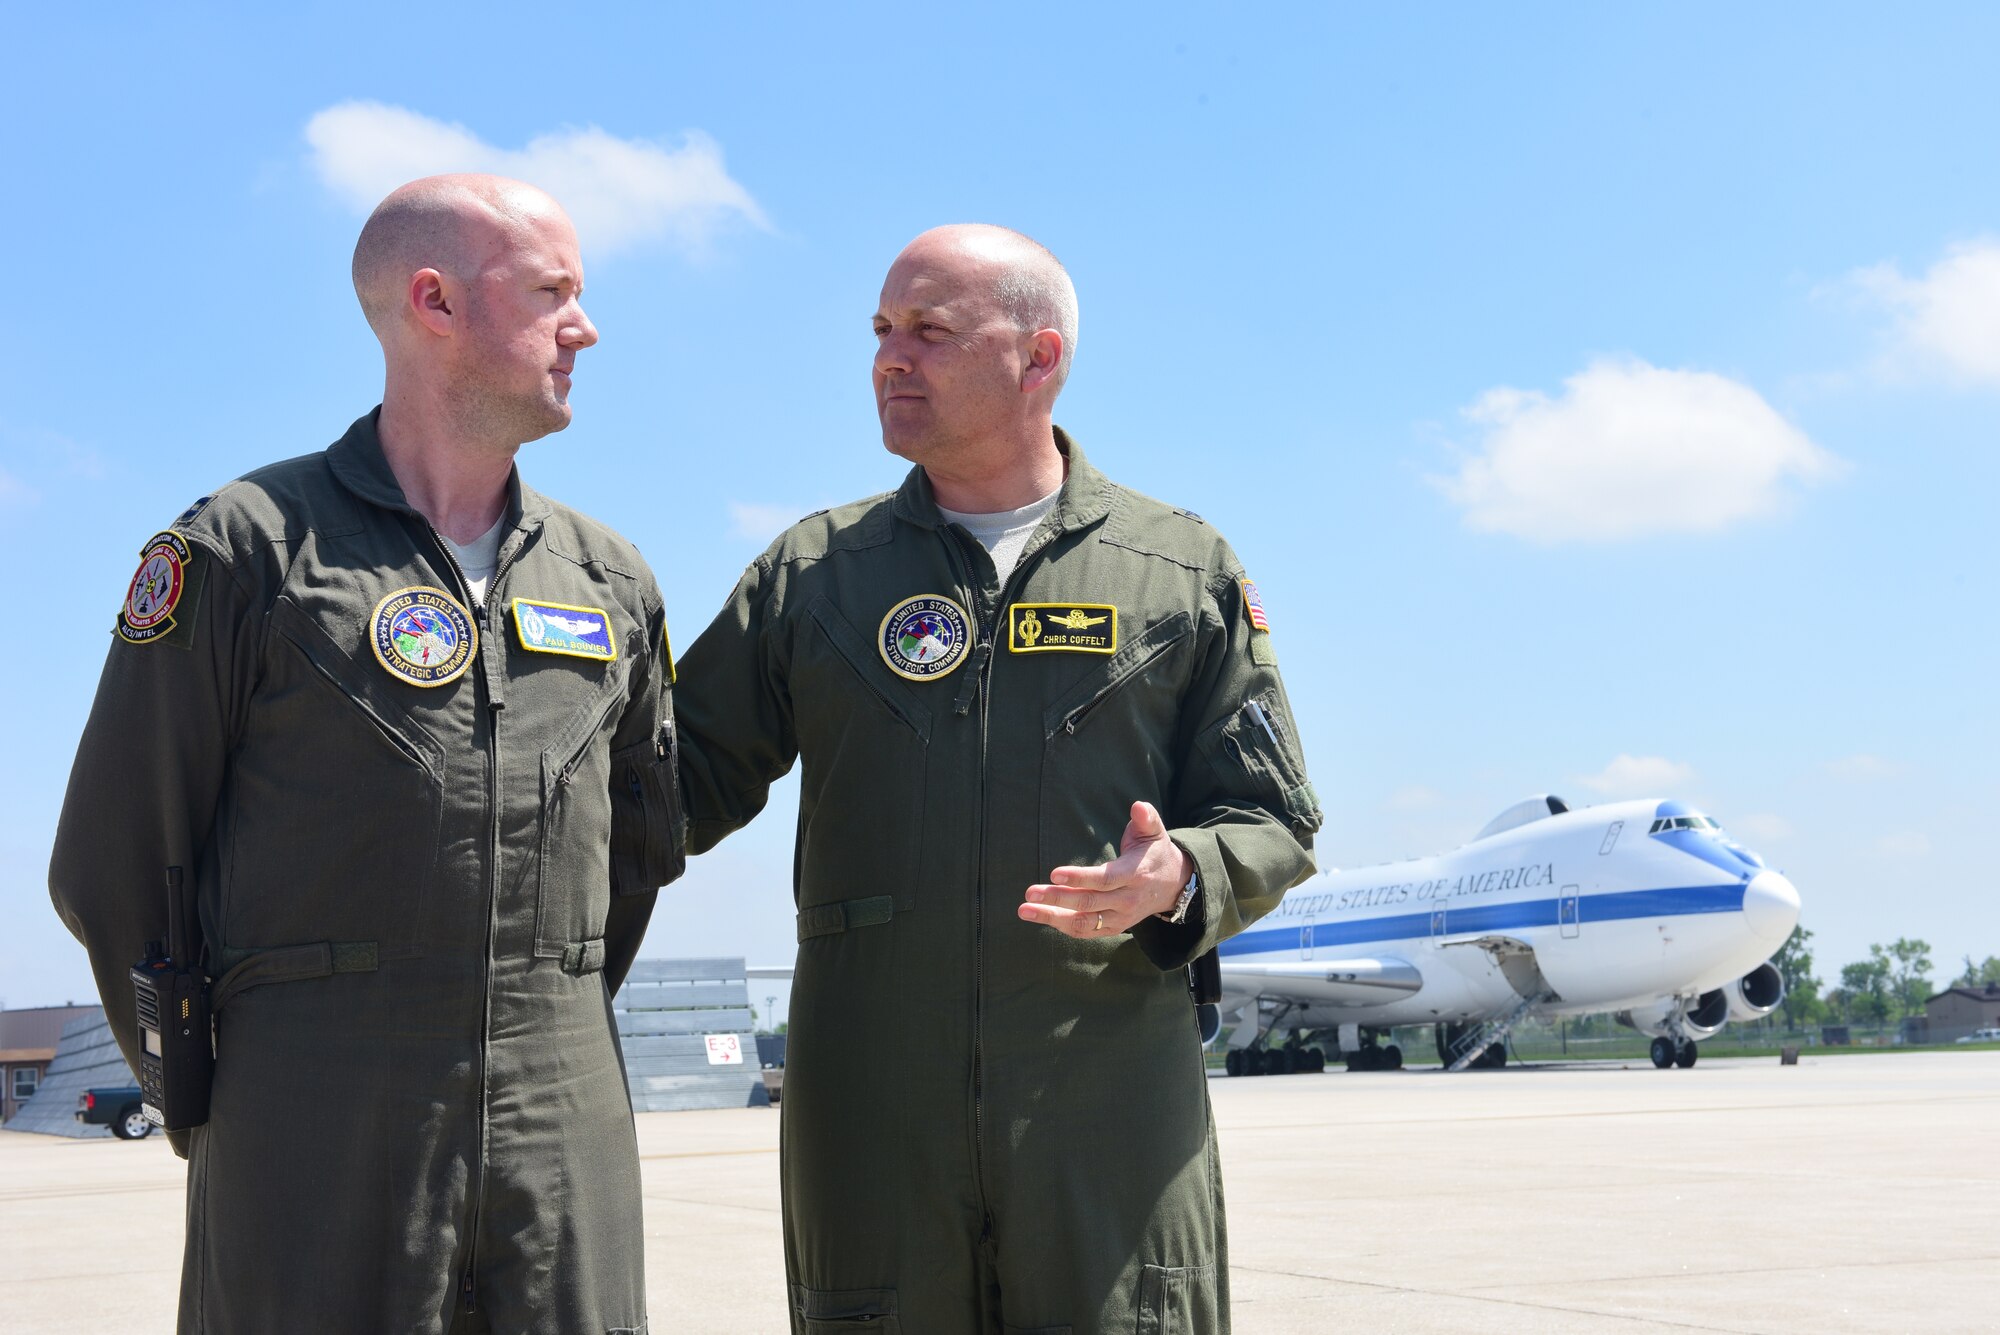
<point x="429" y="302"/>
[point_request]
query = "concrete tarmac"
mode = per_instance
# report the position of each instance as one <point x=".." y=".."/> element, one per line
<point x="1849" y="1193"/>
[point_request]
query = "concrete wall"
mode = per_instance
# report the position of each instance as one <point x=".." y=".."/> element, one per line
<point x="666" y="1011"/>
<point x="87" y="1057"/>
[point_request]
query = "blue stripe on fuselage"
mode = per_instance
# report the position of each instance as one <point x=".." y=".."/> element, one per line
<point x="1460" y="919"/>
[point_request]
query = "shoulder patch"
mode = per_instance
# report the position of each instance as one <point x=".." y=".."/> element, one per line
<point x="1253" y="607"/>
<point x="1189" y="514"/>
<point x="157" y="589"/>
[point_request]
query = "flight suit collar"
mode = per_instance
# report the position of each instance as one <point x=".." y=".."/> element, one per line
<point x="358" y="463"/>
<point x="1084" y="500"/>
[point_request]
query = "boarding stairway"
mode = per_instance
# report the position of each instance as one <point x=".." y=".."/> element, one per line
<point x="1470" y="1045"/>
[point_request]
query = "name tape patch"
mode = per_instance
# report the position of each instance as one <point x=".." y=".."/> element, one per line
<point x="559" y="628"/>
<point x="422" y="636"/>
<point x="1062" y="628"/>
<point x="156" y="589"/>
<point x="924" y="637"/>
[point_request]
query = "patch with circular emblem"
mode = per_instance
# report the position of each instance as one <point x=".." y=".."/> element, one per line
<point x="156" y="589"/>
<point x="924" y="637"/>
<point x="422" y="636"/>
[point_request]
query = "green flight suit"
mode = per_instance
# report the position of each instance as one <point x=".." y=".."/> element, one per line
<point x="416" y="900"/>
<point x="988" y="1125"/>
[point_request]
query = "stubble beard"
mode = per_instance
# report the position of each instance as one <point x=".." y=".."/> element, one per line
<point x="488" y="408"/>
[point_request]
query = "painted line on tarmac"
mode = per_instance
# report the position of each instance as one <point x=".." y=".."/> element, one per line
<point x="706" y="1154"/>
<point x="1823" y="1269"/>
<point x="1470" y="1296"/>
<point x="69" y="1193"/>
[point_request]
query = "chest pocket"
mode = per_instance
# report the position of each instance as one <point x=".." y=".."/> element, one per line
<point x="862" y="777"/>
<point x="1108" y="742"/>
<point x="574" y="892"/>
<point x="294" y="872"/>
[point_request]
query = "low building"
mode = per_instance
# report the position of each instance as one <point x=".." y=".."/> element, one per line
<point x="1958" y="1011"/>
<point x="28" y="1040"/>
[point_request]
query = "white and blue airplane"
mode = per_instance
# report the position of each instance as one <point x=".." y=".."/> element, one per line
<point x="1642" y="908"/>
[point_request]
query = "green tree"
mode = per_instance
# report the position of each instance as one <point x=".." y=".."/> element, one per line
<point x="1794" y="963"/>
<point x="1979" y="975"/>
<point x="1866" y="983"/>
<point x="1906" y="967"/>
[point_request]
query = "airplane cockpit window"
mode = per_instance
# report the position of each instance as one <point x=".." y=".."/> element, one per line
<point x="1666" y="823"/>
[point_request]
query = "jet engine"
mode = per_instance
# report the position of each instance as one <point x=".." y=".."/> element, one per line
<point x="1678" y="1018"/>
<point x="1756" y="994"/>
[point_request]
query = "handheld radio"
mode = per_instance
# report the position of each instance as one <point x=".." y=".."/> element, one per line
<point x="1205" y="990"/>
<point x="176" y="1049"/>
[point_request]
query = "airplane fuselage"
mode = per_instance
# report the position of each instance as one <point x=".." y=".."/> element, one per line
<point x="1599" y="909"/>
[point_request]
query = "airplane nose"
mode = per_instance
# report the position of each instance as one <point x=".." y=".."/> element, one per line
<point x="1771" y="907"/>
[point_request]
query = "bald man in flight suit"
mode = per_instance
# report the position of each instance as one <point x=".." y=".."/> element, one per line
<point x="1047" y="762"/>
<point x="405" y="725"/>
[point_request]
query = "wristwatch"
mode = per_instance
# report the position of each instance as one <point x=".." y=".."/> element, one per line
<point x="1178" y="913"/>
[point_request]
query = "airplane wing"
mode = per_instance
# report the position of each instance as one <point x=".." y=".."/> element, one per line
<point x="1358" y="982"/>
<point x="768" y="971"/>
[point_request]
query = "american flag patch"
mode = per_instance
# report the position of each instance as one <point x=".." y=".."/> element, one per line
<point x="1255" y="607"/>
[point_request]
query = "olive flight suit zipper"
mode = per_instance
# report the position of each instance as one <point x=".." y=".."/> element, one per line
<point x="467" y="1288"/>
<point x="981" y="683"/>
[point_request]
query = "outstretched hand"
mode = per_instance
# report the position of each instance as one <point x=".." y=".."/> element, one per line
<point x="1094" y="902"/>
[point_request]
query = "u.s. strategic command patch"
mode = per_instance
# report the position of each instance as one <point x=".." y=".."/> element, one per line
<point x="421" y="636"/>
<point x="148" y="614"/>
<point x="559" y="628"/>
<point x="924" y="637"/>
<point x="1062" y="628"/>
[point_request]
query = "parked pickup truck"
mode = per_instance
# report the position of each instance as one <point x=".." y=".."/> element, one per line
<point x="115" y="1107"/>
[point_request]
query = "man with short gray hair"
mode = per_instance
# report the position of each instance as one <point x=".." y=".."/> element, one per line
<point x="1047" y="763"/>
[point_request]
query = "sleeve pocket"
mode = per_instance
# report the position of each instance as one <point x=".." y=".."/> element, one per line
<point x="648" y="822"/>
<point x="1255" y="746"/>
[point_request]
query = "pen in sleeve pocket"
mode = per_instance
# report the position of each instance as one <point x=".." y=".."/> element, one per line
<point x="1263" y="720"/>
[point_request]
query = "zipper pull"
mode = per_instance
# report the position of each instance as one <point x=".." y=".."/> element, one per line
<point x="975" y="672"/>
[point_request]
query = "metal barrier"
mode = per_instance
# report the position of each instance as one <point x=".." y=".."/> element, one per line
<point x="686" y="1031"/>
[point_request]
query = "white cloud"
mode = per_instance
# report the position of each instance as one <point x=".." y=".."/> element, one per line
<point x="619" y="192"/>
<point x="1629" y="450"/>
<point x="1863" y="768"/>
<point x="13" y="491"/>
<point x="761" y="523"/>
<point x="1639" y="776"/>
<point x="1948" y="320"/>
<point x="1905" y="844"/>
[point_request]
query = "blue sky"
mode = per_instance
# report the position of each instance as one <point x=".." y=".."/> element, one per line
<point x="1602" y="397"/>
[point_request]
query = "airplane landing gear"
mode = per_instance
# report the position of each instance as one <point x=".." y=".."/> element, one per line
<point x="1288" y="1060"/>
<point x="1373" y="1056"/>
<point x="1679" y="1052"/>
